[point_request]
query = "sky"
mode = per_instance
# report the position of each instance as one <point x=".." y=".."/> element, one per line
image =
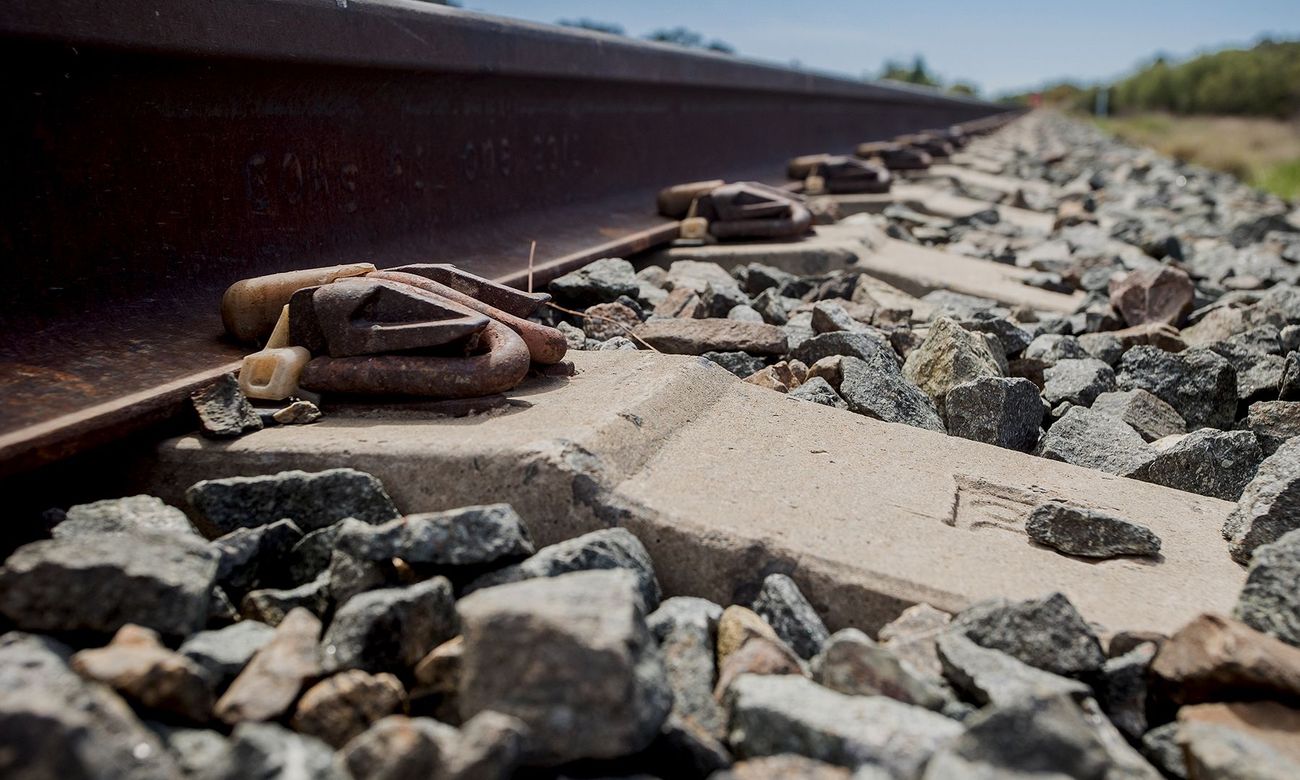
<point x="999" y="45"/>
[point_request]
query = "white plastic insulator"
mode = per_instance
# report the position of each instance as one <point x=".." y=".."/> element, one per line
<point x="272" y="374"/>
<point x="695" y="227"/>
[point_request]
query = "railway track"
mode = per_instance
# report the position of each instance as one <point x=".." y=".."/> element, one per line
<point x="1029" y="417"/>
<point x="157" y="156"/>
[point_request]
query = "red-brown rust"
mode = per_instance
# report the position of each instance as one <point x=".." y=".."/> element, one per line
<point x="503" y="366"/>
<point x="376" y="316"/>
<point x="751" y="209"/>
<point x="546" y="345"/>
<point x="498" y="296"/>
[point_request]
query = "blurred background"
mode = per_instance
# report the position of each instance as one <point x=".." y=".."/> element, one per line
<point x="1207" y="81"/>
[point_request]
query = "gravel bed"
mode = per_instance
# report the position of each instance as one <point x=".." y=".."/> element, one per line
<point x="299" y="625"/>
<point x="447" y="645"/>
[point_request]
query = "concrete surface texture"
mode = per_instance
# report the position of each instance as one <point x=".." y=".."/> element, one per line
<point x="928" y="199"/>
<point x="860" y="246"/>
<point x="726" y="482"/>
<point x="966" y="169"/>
<point x="939" y="203"/>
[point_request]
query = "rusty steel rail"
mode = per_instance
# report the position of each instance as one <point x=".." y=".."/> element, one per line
<point x="155" y="153"/>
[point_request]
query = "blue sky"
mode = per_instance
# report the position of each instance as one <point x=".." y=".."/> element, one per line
<point x="997" y="44"/>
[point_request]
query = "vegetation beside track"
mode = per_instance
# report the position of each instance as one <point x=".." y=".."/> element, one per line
<point x="1262" y="151"/>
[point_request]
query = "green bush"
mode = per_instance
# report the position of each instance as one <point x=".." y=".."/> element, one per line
<point x="1261" y="81"/>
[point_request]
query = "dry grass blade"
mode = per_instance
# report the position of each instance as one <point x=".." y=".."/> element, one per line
<point x="630" y="334"/>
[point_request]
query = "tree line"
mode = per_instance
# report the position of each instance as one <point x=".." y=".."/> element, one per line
<point x="1263" y="80"/>
<point x="917" y="73"/>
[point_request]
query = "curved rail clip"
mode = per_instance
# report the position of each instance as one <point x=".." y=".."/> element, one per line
<point x="498" y="296"/>
<point x="370" y="316"/>
<point x="751" y="209"/>
<point x="841" y="174"/>
<point x="894" y="156"/>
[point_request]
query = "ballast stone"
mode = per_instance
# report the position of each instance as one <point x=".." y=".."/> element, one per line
<point x="142" y="514"/>
<point x="949" y="356"/>
<point x="786" y="610"/>
<point x="270" y="683"/>
<point x="1145" y="413"/>
<point x="1209" y="462"/>
<point x="776" y="714"/>
<point x="1047" y="633"/>
<point x="390" y="629"/>
<point x="1043" y="737"/>
<point x="1269" y="506"/>
<point x="695" y="337"/>
<point x="736" y="626"/>
<point x="869" y="346"/>
<point x="1077" y="381"/>
<point x="758" y="655"/>
<point x="571" y="657"/>
<point x="789" y="765"/>
<point x="742" y="364"/>
<point x="600" y="282"/>
<point x="605" y="321"/>
<point x="224" y="652"/>
<point x="685" y="628"/>
<point x="1047" y="349"/>
<point x="340" y="707"/>
<point x="1270" y="601"/>
<point x="254" y="557"/>
<point x="312" y="500"/>
<point x="1004" y="411"/>
<point x="200" y="753"/>
<point x="271" y="605"/>
<point x="53" y="723"/>
<point x="1097" y="441"/>
<point x="1123" y="689"/>
<point x="101" y="582"/>
<point x="818" y="391"/>
<point x="912" y="637"/>
<point x="852" y="664"/>
<point x="1199" y="384"/>
<point x="1273" y="422"/>
<point x="489" y="745"/>
<point x="224" y="412"/>
<point x="879" y="390"/>
<point x="1158" y="294"/>
<point x="139" y="667"/>
<point x="989" y="676"/>
<point x="271" y="750"/>
<point x="612" y="548"/>
<point x="465" y="536"/>
<point x="399" y="747"/>
<point x="1089" y="533"/>
<point x="1160" y="747"/>
<point x="1229" y="754"/>
<point x="1215" y="658"/>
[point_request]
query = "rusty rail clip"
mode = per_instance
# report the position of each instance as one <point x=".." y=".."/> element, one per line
<point x="955" y="135"/>
<point x="675" y="202"/>
<point x="545" y="345"/>
<point x="746" y="209"/>
<point x="895" y="157"/>
<point x="754" y="210"/>
<point x="932" y="145"/>
<point x="841" y="174"/>
<point x="502" y="366"/>
<point x="498" y="296"/>
<point x="364" y="316"/>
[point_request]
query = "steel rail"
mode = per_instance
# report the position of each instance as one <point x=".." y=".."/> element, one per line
<point x="156" y="153"/>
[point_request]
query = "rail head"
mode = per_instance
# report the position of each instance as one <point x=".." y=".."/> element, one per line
<point x="415" y="35"/>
